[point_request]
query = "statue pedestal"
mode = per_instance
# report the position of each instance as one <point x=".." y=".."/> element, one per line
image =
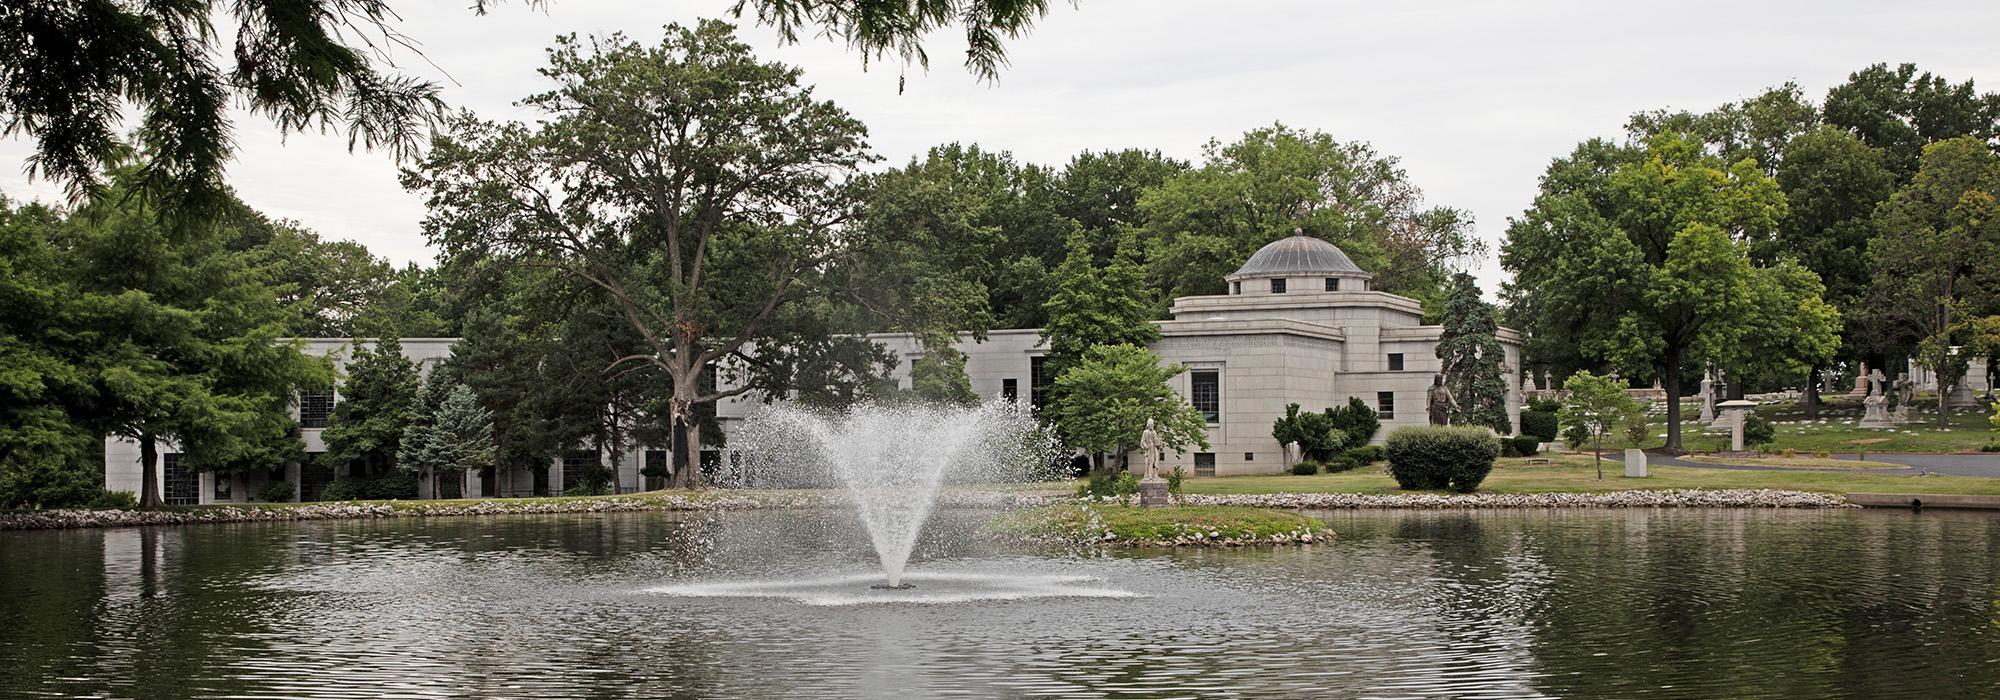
<point x="1961" y="396"/>
<point x="1875" y="413"/>
<point x="1153" y="493"/>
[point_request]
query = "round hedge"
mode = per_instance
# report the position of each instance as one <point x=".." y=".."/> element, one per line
<point x="1441" y="457"/>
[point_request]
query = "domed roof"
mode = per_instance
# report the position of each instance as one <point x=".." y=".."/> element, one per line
<point x="1298" y="254"/>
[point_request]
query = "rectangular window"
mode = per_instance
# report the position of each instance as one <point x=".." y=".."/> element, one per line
<point x="314" y="406"/>
<point x="1235" y="287"/>
<point x="577" y="464"/>
<point x="222" y="487"/>
<point x="1277" y="286"/>
<point x="181" y="487"/>
<point x="1204" y="464"/>
<point x="1333" y="284"/>
<point x="1395" y="362"/>
<point x="1038" y="381"/>
<point x="1206" y="394"/>
<point x="1010" y="390"/>
<point x="1385" y="405"/>
<point x="1249" y="456"/>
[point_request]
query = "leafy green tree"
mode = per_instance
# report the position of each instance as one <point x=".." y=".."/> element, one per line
<point x="1100" y="190"/>
<point x="1126" y="385"/>
<point x="1832" y="183"/>
<point x="378" y="399"/>
<point x="939" y="377"/>
<point x="1900" y="111"/>
<point x="45" y="454"/>
<point x="181" y="339"/>
<point x="1287" y="431"/>
<point x="1936" y="242"/>
<point x="70" y="71"/>
<point x="1202" y="224"/>
<point x="1320" y="437"/>
<point x="714" y="251"/>
<point x="1469" y="352"/>
<point x="1634" y="256"/>
<point x="1759" y="128"/>
<point x="1597" y="406"/>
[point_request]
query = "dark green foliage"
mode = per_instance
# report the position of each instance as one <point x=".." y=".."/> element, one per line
<point x="1528" y="445"/>
<point x="1441" y="457"/>
<point x="1356" y="419"/>
<point x="1991" y="447"/>
<point x="1758" y="431"/>
<point x="1175" y="479"/>
<point x="395" y="485"/>
<point x="1306" y="467"/>
<point x="1097" y="303"/>
<point x="1342" y="463"/>
<point x="597" y="487"/>
<point x="378" y="400"/>
<point x="1470" y="355"/>
<point x="1507" y="448"/>
<point x="278" y="491"/>
<point x="1106" y="483"/>
<point x="1547" y="405"/>
<point x="112" y="500"/>
<point x="1320" y="438"/>
<point x="1365" y="454"/>
<point x="1540" y="422"/>
<point x="1575" y="435"/>
<point x="70" y="71"/>
<point x="47" y="484"/>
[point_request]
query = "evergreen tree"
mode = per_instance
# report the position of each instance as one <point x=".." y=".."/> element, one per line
<point x="1097" y="304"/>
<point x="501" y="366"/>
<point x="1470" y="355"/>
<point x="455" y="436"/>
<point x="378" y="399"/>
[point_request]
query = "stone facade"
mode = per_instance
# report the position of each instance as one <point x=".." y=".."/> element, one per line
<point x="1300" y="325"/>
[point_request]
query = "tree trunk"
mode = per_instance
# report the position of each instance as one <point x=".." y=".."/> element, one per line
<point x="687" y="436"/>
<point x="1597" y="449"/>
<point x="149" y="474"/>
<point x="1672" y="383"/>
<point x="1812" y="393"/>
<point x="1945" y="382"/>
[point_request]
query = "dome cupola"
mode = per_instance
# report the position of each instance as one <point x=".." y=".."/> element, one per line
<point x="1298" y="263"/>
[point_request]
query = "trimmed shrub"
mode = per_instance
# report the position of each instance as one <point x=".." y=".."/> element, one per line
<point x="1174" y="480"/>
<point x="1549" y="406"/>
<point x="1126" y="484"/>
<point x="278" y="491"/>
<point x="1099" y="483"/>
<point x="1993" y="446"/>
<point x="1341" y="464"/>
<point x="1575" y="436"/>
<point x="1365" y="454"/>
<point x="588" y="490"/>
<point x="1507" y="448"/>
<point x="113" y="500"/>
<point x="1305" y="467"/>
<point x="1527" y="445"/>
<point x="1758" y="431"/>
<point x="1441" y="457"/>
<point x="1541" y="424"/>
<point x="394" y="485"/>
<point x="1357" y="420"/>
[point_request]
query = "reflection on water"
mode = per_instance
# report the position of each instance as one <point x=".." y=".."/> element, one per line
<point x="1490" y="604"/>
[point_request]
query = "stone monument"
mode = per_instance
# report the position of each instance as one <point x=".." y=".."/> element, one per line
<point x="1152" y="487"/>
<point x="1906" y="394"/>
<point x="1440" y="402"/>
<point x="1875" y="408"/>
<point x="1735" y="412"/>
<point x="1707" y="398"/>
<point x="1635" y="463"/>
<point x="1860" y="383"/>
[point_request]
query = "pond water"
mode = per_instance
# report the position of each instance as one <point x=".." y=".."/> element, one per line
<point x="1599" y="603"/>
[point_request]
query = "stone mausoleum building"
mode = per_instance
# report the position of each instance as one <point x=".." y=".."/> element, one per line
<point x="1299" y="324"/>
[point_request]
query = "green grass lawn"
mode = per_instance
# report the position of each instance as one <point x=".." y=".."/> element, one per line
<point x="1835" y="429"/>
<point x="1572" y="473"/>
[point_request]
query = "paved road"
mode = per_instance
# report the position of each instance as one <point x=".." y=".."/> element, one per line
<point x="1956" y="464"/>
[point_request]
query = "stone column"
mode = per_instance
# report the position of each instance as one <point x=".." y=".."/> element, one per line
<point x="1735" y="412"/>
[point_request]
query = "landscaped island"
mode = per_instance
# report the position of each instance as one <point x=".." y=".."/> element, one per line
<point x="1120" y="525"/>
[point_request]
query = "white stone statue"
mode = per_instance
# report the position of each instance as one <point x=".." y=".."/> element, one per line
<point x="1707" y="398"/>
<point x="1150" y="446"/>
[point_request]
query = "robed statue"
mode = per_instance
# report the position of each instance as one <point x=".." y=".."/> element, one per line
<point x="1441" y="403"/>
<point x="1150" y="446"/>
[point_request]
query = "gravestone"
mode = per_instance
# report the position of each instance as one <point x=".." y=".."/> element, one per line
<point x="1153" y="494"/>
<point x="1875" y="408"/>
<point x="1635" y="463"/>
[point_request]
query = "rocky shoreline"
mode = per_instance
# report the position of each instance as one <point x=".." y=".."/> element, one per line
<point x="722" y="500"/>
<point x="1677" y="498"/>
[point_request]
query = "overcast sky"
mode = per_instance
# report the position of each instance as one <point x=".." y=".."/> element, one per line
<point x="1474" y="96"/>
